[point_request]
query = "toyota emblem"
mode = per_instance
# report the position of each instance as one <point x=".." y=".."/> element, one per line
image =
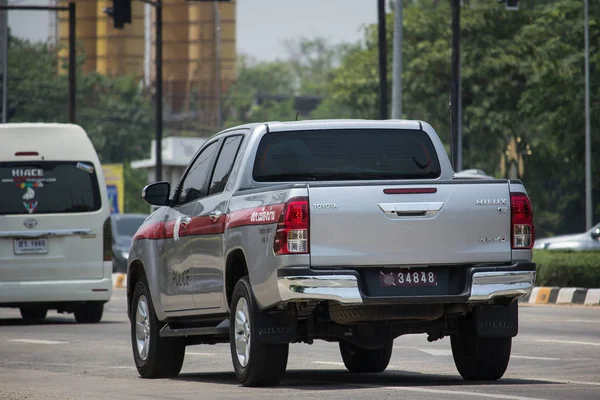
<point x="30" y="223"/>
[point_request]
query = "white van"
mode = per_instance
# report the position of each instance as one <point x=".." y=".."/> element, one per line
<point x="55" y="230"/>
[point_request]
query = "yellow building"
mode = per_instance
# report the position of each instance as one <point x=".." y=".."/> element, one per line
<point x="198" y="41"/>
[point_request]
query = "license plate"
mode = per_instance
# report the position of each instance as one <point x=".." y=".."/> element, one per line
<point x="31" y="246"/>
<point x="407" y="277"/>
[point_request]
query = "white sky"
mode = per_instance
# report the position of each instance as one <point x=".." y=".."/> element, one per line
<point x="262" y="25"/>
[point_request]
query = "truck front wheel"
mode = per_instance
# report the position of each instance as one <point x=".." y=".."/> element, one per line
<point x="255" y="363"/>
<point x="478" y="358"/>
<point x="155" y="356"/>
<point x="357" y="359"/>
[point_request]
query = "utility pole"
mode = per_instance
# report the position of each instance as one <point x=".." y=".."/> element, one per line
<point x="159" y="89"/>
<point x="397" y="67"/>
<point x="588" y="140"/>
<point x="72" y="63"/>
<point x="383" y="100"/>
<point x="4" y="45"/>
<point x="217" y="21"/>
<point x="454" y="102"/>
<point x="120" y="13"/>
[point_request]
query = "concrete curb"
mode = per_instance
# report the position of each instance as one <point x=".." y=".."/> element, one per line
<point x="558" y="295"/>
<point x="119" y="281"/>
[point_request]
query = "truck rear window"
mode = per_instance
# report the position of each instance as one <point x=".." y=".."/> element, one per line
<point x="48" y="187"/>
<point x="345" y="154"/>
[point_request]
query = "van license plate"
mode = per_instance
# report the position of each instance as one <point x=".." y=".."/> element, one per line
<point x="31" y="246"/>
<point x="407" y="277"/>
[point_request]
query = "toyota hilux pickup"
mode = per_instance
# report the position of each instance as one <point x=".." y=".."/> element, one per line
<point x="347" y="231"/>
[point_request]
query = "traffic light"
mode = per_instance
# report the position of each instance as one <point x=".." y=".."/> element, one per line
<point x="512" y="5"/>
<point x="120" y="13"/>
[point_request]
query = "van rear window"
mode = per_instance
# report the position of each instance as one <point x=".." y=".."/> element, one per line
<point x="348" y="154"/>
<point x="48" y="187"/>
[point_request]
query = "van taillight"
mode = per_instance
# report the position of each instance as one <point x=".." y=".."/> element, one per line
<point x="521" y="221"/>
<point x="107" y="240"/>
<point x="292" y="230"/>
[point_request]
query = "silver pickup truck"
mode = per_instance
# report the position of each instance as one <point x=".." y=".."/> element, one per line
<point x="348" y="231"/>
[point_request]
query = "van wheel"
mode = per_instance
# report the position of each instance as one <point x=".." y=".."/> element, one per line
<point x="33" y="313"/>
<point x="255" y="363"/>
<point x="357" y="359"/>
<point x="155" y="356"/>
<point x="478" y="358"/>
<point x="89" y="313"/>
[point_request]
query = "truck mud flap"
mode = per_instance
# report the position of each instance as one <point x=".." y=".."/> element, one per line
<point x="497" y="321"/>
<point x="275" y="326"/>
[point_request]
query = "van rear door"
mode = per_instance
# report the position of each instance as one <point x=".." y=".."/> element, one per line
<point x="51" y="221"/>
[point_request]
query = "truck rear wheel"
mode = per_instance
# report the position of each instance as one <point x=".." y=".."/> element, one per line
<point x="478" y="358"/>
<point x="33" y="313"/>
<point x="255" y="363"/>
<point x="357" y="359"/>
<point x="155" y="356"/>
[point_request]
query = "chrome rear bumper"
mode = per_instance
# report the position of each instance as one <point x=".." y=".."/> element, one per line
<point x="344" y="288"/>
<point x="488" y="285"/>
<point x="341" y="288"/>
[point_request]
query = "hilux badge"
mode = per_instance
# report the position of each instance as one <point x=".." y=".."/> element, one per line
<point x="490" y="202"/>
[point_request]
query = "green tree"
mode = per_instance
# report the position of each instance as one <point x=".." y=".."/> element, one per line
<point x="522" y="77"/>
<point x="307" y="70"/>
<point x="114" y="111"/>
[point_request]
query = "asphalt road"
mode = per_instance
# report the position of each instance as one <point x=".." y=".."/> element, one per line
<point x="555" y="356"/>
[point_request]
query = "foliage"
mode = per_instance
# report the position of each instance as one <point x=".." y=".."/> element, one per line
<point x="135" y="180"/>
<point x="307" y="71"/>
<point x="522" y="77"/>
<point x="567" y="268"/>
<point x="114" y="111"/>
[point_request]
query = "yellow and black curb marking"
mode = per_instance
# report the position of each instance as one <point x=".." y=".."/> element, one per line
<point x="558" y="295"/>
<point x="119" y="281"/>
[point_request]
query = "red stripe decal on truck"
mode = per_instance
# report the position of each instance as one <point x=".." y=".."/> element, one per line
<point x="255" y="216"/>
<point x="203" y="225"/>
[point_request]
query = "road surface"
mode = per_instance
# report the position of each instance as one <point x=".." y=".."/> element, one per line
<point x="555" y="356"/>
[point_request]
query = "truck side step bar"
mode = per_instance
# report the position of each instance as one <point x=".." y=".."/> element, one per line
<point x="220" y="330"/>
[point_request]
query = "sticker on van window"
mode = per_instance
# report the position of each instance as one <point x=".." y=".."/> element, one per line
<point x="30" y="206"/>
<point x="85" y="167"/>
<point x="29" y="195"/>
<point x="27" y="172"/>
<point x="37" y="184"/>
<point x="29" y="200"/>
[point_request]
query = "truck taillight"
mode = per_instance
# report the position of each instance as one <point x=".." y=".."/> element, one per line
<point x="107" y="240"/>
<point x="521" y="221"/>
<point x="292" y="230"/>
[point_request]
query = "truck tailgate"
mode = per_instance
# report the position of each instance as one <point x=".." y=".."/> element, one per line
<point x="452" y="223"/>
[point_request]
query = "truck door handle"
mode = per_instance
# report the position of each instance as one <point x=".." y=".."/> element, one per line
<point x="185" y="221"/>
<point x="214" y="216"/>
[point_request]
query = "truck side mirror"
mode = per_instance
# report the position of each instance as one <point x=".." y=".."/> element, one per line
<point x="596" y="233"/>
<point x="157" y="194"/>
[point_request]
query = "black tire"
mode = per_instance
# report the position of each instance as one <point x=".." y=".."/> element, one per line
<point x="359" y="360"/>
<point x="89" y="313"/>
<point x="478" y="358"/>
<point x="164" y="354"/>
<point x="33" y="313"/>
<point x="266" y="363"/>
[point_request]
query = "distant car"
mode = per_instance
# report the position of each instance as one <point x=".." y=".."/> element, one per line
<point x="589" y="240"/>
<point x="124" y="226"/>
